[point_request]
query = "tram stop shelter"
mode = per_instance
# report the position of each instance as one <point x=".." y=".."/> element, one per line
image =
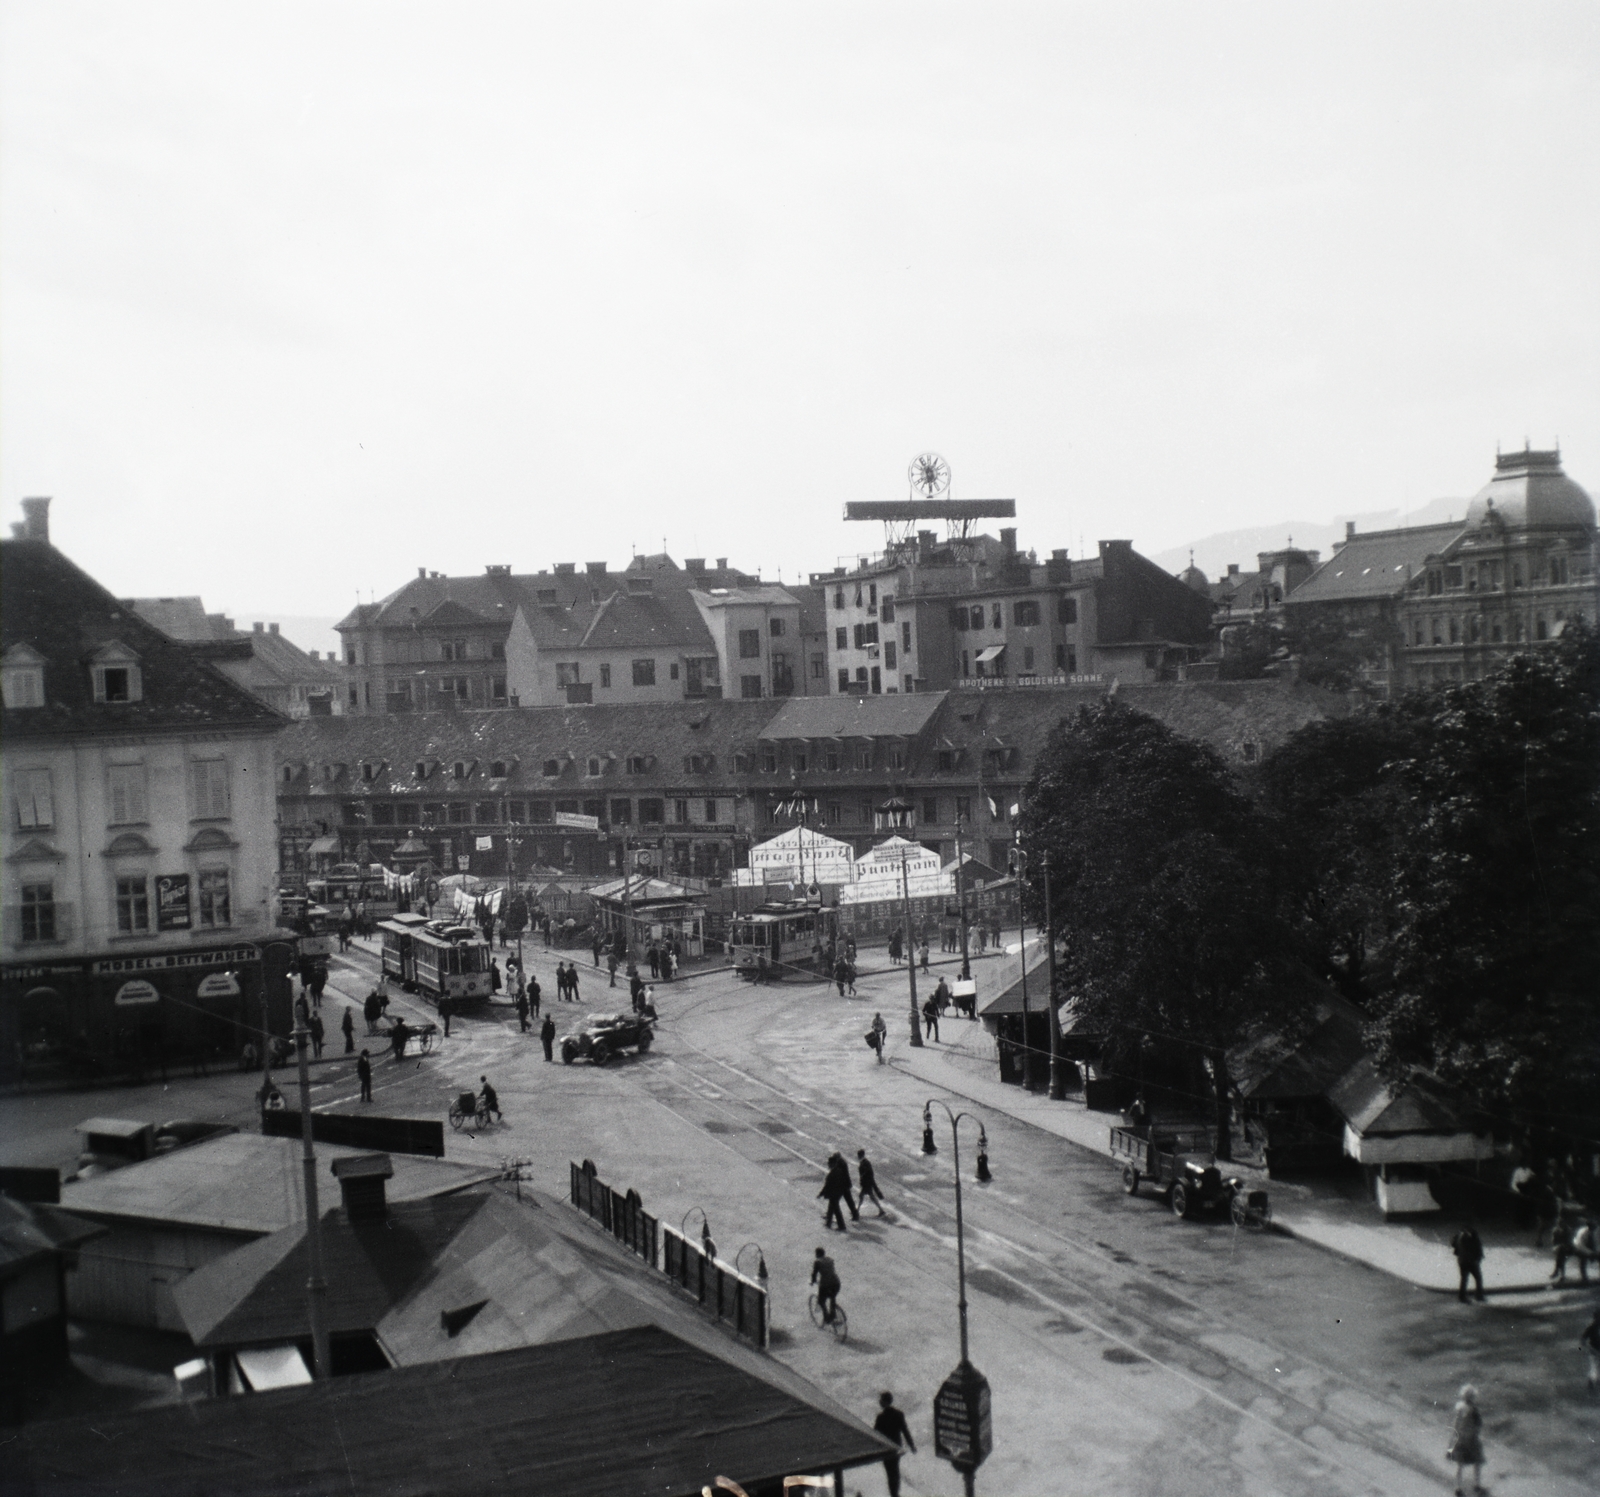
<point x="650" y="909"/>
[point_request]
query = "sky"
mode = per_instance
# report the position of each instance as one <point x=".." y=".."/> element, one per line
<point x="298" y="298"/>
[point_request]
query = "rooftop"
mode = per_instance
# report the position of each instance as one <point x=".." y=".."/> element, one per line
<point x="898" y="716"/>
<point x="1376" y="564"/>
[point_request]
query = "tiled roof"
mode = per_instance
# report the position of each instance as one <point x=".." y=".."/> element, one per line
<point x="64" y="615"/>
<point x="180" y="618"/>
<point x="1377" y="564"/>
<point x="902" y="715"/>
<point x="665" y="620"/>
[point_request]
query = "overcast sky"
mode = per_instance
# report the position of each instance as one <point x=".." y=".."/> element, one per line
<point x="298" y="298"/>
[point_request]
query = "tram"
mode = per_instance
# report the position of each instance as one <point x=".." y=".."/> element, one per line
<point x="399" y="962"/>
<point x="351" y="884"/>
<point x="790" y="937"/>
<point x="315" y="926"/>
<point x="449" y="962"/>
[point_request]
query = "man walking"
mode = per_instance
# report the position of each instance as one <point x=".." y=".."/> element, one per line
<point x="572" y="981"/>
<point x="924" y="954"/>
<point x="880" y="1032"/>
<point x="522" y="1012"/>
<point x="834" y="1189"/>
<point x="533" y="993"/>
<point x="547" y="1036"/>
<point x="869" y="1181"/>
<point x="491" y="1102"/>
<point x="318" y="1034"/>
<point x="348" y="1025"/>
<point x="364" y="1073"/>
<point x="1468" y="1248"/>
<point x="891" y="1424"/>
<point x="930" y="1017"/>
<point x="611" y="966"/>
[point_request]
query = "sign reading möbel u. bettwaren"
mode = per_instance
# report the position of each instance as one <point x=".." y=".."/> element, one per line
<point x="963" y="1433"/>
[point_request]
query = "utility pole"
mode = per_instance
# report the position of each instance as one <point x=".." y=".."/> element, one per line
<point x="1058" y="1080"/>
<point x="316" y="1284"/>
<point x="1020" y="859"/>
<point x="961" y="902"/>
<point x="627" y="898"/>
<point x="911" y="952"/>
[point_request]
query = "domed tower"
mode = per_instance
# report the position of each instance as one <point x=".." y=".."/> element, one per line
<point x="1530" y="492"/>
<point x="1191" y="576"/>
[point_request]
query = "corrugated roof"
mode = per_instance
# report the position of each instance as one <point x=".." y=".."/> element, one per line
<point x="634" y="1413"/>
<point x="64" y="615"/>
<point x="1377" y="564"/>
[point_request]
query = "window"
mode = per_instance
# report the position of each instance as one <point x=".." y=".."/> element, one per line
<point x="566" y="673"/>
<point x="1025" y="615"/>
<point x="621" y="812"/>
<point x="497" y="652"/>
<point x="459" y="769"/>
<point x="539" y="811"/>
<point x="831" y="761"/>
<point x="775" y="628"/>
<point x="680" y="812"/>
<point x="595" y="767"/>
<point x="838" y="597"/>
<point x="453" y="649"/>
<point x="116" y="683"/>
<point x="741" y="763"/>
<point x="38" y="912"/>
<point x="644" y="673"/>
<point x="817" y="667"/>
<point x="711" y="810"/>
<point x="637" y="764"/>
<point x="1027" y="658"/>
<point x="947" y="759"/>
<point x="216" y="902"/>
<point x="866" y="634"/>
<point x="350" y="655"/>
<point x="383" y="813"/>
<point x="699" y="763"/>
<point x="963" y="808"/>
<point x="801" y="761"/>
<point x="652" y="812"/>
<point x="749" y="687"/>
<point x="769" y="762"/>
<point x="958" y="619"/>
<point x="1067" y="611"/>
<point x="459" y="687"/>
<point x="497" y="689"/>
<point x="605" y="676"/>
<point x="905" y="638"/>
<point x="872" y="595"/>
<point x="355" y="697"/>
<point x="497" y="769"/>
<point x="354" y="813"/>
<point x="749" y="644"/>
<point x="977" y="616"/>
<point x="487" y="811"/>
<point x="1455" y="628"/>
<point x="550" y="769"/>
<point x="22" y="685"/>
<point x="930" y="808"/>
<point x="209" y="778"/>
<point x="133" y="904"/>
<point x="458" y="813"/>
<point x="844" y="678"/>
<point x="897" y="757"/>
<point x="889" y="657"/>
<point x="127" y="794"/>
<point x="35" y="803"/>
<point x="888" y="610"/>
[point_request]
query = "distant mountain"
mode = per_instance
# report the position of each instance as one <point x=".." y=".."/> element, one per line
<point x="1212" y="553"/>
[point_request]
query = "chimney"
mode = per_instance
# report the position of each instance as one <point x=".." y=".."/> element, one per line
<point x="695" y="563"/>
<point x="36" y="520"/>
<point x="1008" y="539"/>
<point x="422" y="574"/>
<point x="566" y="568"/>
<point x="1349" y="530"/>
<point x="722" y="563"/>
<point x="1233" y="569"/>
<point x="595" y="568"/>
<point x="361" y="1178"/>
<point x="272" y="628"/>
<point x="259" y="628"/>
<point x="313" y="654"/>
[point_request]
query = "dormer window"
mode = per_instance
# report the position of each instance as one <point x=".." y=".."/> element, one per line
<point x="420" y="769"/>
<point x="22" y="677"/>
<point x="594" y="767"/>
<point x="459" y="769"/>
<point x="497" y="770"/>
<point x="114" y="672"/>
<point x="551" y="769"/>
<point x="369" y="771"/>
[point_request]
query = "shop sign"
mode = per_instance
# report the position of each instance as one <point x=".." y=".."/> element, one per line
<point x="160" y="961"/>
<point x="463" y="861"/>
<point x="218" y="985"/>
<point x="172" y="902"/>
<point x="577" y="821"/>
<point x="136" y="992"/>
<point x="963" y="1430"/>
<point x="485" y="844"/>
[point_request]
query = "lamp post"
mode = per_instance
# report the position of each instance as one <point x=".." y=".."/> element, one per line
<point x="961" y="1408"/>
<point x="961" y="902"/>
<point x="316" y="1284"/>
<point x="1019" y="862"/>
<point x="897" y="817"/>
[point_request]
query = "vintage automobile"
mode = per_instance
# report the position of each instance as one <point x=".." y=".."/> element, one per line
<point x="604" y="1035"/>
<point x="1181" y="1165"/>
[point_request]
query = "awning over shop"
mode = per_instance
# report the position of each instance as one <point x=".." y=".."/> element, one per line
<point x="993" y="652"/>
<point x="324" y="847"/>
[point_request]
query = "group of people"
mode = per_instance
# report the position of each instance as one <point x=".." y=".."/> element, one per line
<point x="836" y="1189"/>
<point x="897" y="950"/>
<point x="566" y="982"/>
<point x="981" y="935"/>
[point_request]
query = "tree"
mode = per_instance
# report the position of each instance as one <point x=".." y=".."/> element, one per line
<point x="1165" y="888"/>
<point x="1328" y="654"/>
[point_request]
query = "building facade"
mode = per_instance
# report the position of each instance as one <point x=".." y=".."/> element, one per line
<point x="139" y="846"/>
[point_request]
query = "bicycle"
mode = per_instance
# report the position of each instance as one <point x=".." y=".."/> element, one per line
<point x="839" y="1325"/>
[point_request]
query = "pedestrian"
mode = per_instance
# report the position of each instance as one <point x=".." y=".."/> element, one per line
<point x="364" y="1072"/>
<point x="1589" y="1344"/>
<point x="891" y="1424"/>
<point x="572" y="981"/>
<point x="653" y="955"/>
<point x="636" y="986"/>
<point x="1468" y="1248"/>
<point x="547" y="1036"/>
<point x="318" y="1033"/>
<point x="924" y="954"/>
<point x="302" y="1012"/>
<point x="826" y="1277"/>
<point x="1584" y="1247"/>
<point x="491" y="1102"/>
<point x="894" y="947"/>
<point x="1466" y="1438"/>
<point x="841" y="974"/>
<point x="446" y="1008"/>
<point x="850" y="950"/>
<point x="597" y="947"/>
<point x="371" y="1010"/>
<point x="880" y="1032"/>
<point x="398" y="1037"/>
<point x="494" y="976"/>
<point x="1561" y="1243"/>
<point x="930" y="1018"/>
<point x="561" y="982"/>
<point x="668" y="964"/>
<point x="869" y="1180"/>
<point x="319" y="981"/>
<point x="533" y="994"/>
<point x="835" y="1188"/>
<point x="611" y="966"/>
<point x="522" y="1012"/>
<point x="348" y="1025"/>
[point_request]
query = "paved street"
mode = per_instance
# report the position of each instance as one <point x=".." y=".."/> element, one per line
<point x="1129" y="1352"/>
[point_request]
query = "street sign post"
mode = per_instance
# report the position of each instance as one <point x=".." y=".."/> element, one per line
<point x="963" y="1431"/>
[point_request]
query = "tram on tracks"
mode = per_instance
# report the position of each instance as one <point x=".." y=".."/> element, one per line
<point x="779" y="939"/>
<point x="435" y="959"/>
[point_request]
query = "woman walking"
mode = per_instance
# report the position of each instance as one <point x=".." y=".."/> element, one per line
<point x="1466" y="1438"/>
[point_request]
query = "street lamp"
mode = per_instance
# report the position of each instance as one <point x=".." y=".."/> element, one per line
<point x="1019" y="866"/>
<point x="896" y="815"/>
<point x="1058" y="1078"/>
<point x="707" y="1246"/>
<point x="316" y="1284"/>
<point x="761" y="1262"/>
<point x="961" y="901"/>
<point x="961" y="1420"/>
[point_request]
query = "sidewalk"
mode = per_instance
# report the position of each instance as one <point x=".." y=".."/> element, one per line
<point x="1334" y="1214"/>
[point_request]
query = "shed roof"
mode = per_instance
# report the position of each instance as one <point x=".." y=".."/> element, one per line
<point x="1371" y="1105"/>
<point x="632" y="1413"/>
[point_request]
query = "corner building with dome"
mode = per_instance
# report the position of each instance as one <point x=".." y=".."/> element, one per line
<point x="1452" y="602"/>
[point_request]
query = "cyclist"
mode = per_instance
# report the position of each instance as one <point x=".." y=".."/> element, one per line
<point x="491" y="1102"/>
<point x="826" y="1277"/>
